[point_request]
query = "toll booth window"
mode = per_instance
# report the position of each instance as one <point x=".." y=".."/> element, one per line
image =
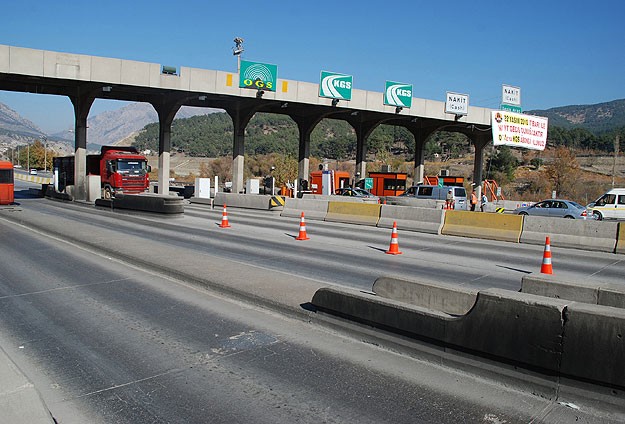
<point x="424" y="191"/>
<point x="6" y="176"/>
<point x="394" y="184"/>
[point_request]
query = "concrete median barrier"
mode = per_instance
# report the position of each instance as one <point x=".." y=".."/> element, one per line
<point x="353" y="213"/>
<point x="492" y="226"/>
<point x="144" y="202"/>
<point x="245" y="201"/>
<point x="556" y="336"/>
<point x="313" y="209"/>
<point x="571" y="233"/>
<point x="594" y="343"/>
<point x="512" y="326"/>
<point x="381" y="312"/>
<point x="446" y="298"/>
<point x="620" y="238"/>
<point x="423" y="220"/>
<point x="592" y="291"/>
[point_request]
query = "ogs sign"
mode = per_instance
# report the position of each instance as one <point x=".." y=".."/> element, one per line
<point x="258" y="76"/>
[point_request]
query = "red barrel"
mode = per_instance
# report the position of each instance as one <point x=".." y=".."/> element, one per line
<point x="7" y="186"/>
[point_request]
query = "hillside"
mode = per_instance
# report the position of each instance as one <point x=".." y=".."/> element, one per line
<point x="597" y="119"/>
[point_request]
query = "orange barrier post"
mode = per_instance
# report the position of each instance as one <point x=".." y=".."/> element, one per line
<point x="302" y="229"/>
<point x="224" y="219"/>
<point x="394" y="247"/>
<point x="546" y="267"/>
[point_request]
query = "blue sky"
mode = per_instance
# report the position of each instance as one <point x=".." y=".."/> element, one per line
<point x="558" y="52"/>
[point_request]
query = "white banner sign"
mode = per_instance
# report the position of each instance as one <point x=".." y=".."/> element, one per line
<point x="518" y="130"/>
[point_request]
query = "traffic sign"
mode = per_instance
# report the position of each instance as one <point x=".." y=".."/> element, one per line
<point x="335" y="86"/>
<point x="457" y="103"/>
<point x="510" y="108"/>
<point x="368" y="183"/>
<point x="511" y="95"/>
<point x="258" y="76"/>
<point x="398" y="94"/>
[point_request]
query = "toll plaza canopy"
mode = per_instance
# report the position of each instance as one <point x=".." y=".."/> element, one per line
<point x="85" y="78"/>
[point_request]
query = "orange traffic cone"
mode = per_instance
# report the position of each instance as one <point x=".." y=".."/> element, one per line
<point x="302" y="229"/>
<point x="394" y="247"/>
<point x="546" y="266"/>
<point x="224" y="219"/>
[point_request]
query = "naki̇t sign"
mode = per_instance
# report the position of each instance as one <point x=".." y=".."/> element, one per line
<point x="518" y="130"/>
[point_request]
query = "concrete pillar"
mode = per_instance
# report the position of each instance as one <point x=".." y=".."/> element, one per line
<point x="479" y="141"/>
<point x="363" y="127"/>
<point x="420" y="136"/>
<point x="166" y="111"/>
<point x="82" y="104"/>
<point x="241" y="116"/>
<point x="305" y="125"/>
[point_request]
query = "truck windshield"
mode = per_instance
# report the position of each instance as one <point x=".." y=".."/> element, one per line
<point x="131" y="166"/>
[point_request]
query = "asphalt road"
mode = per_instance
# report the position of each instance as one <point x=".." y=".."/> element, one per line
<point x="108" y="342"/>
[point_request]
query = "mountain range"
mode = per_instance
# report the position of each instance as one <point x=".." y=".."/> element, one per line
<point x="111" y="127"/>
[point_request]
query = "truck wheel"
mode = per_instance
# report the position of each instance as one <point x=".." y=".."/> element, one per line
<point x="108" y="193"/>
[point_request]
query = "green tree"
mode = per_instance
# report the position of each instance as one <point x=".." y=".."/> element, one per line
<point x="503" y="163"/>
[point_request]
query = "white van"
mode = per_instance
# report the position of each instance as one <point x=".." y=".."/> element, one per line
<point x="439" y="193"/>
<point x="611" y="205"/>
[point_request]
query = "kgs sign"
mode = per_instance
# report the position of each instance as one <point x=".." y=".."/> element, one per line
<point x="335" y="86"/>
<point x="258" y="76"/>
<point x="398" y="94"/>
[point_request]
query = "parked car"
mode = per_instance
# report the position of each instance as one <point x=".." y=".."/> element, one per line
<point x="439" y="193"/>
<point x="354" y="192"/>
<point x="556" y="208"/>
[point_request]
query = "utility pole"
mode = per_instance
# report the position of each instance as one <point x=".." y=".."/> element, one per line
<point x="616" y="146"/>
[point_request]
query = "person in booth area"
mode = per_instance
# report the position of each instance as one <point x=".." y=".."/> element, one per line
<point x="473" y="199"/>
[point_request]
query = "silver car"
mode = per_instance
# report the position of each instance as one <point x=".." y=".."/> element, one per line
<point x="556" y="208"/>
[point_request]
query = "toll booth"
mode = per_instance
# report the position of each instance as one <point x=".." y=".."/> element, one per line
<point x="446" y="181"/>
<point x="387" y="183"/>
<point x="327" y="182"/>
<point x="7" y="183"/>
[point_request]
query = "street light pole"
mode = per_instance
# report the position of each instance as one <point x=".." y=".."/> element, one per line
<point x="45" y="154"/>
<point x="237" y="50"/>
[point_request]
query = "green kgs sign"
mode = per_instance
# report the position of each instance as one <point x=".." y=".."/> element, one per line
<point x="259" y="76"/>
<point x="335" y="86"/>
<point x="398" y="94"/>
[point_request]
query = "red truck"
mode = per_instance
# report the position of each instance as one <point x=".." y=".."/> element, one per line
<point x="121" y="170"/>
